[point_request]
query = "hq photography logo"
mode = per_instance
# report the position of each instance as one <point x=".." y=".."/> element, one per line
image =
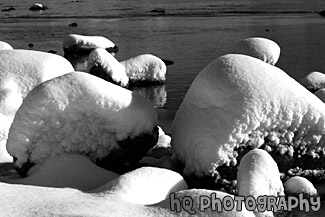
<point x="229" y="203"/>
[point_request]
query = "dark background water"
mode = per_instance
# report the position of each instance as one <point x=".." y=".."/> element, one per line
<point x="192" y="34"/>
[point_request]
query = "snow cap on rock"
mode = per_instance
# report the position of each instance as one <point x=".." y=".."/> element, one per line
<point x="296" y="185"/>
<point x="238" y="99"/>
<point x="146" y="185"/>
<point x="261" y="48"/>
<point x="313" y="81"/>
<point x="102" y="64"/>
<point x="77" y="113"/>
<point x="5" y="46"/>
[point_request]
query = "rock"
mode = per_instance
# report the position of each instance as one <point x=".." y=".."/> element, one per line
<point x="30" y="45"/>
<point x="103" y="65"/>
<point x="20" y="71"/>
<point x="5" y="46"/>
<point x="322" y="13"/>
<point x="146" y="185"/>
<point x="320" y="94"/>
<point x="145" y="69"/>
<point x="83" y="45"/>
<point x="73" y="24"/>
<point x="38" y="7"/>
<point x="297" y="185"/>
<point x="8" y="9"/>
<point x="82" y="114"/>
<point x="261" y="48"/>
<point x="232" y="104"/>
<point x="313" y="81"/>
<point x="52" y="51"/>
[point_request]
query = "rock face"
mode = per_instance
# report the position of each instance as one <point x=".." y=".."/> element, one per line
<point x="239" y="101"/>
<point x="261" y="48"/>
<point x="82" y="44"/>
<point x="296" y="185"/>
<point x="314" y="81"/>
<point x="82" y="114"/>
<point x="145" y="69"/>
<point x="320" y="94"/>
<point x="102" y="64"/>
<point x="146" y="185"/>
<point x="20" y="71"/>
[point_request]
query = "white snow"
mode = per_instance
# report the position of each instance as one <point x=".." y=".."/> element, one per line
<point x="296" y="185"/>
<point x="258" y="175"/>
<point x="145" y="67"/>
<point x="20" y="71"/>
<point x="146" y="185"/>
<point x="314" y="81"/>
<point x="239" y="99"/>
<point x="5" y="46"/>
<point x="86" y="42"/>
<point x="320" y="94"/>
<point x="109" y="65"/>
<point x="77" y="113"/>
<point x="261" y="48"/>
<point x="66" y="170"/>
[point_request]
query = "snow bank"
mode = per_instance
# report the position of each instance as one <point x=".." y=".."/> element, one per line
<point x="20" y="71"/>
<point x="145" y="68"/>
<point x="102" y="64"/>
<point x="146" y="185"/>
<point x="77" y="113"/>
<point x="5" y="46"/>
<point x="67" y="170"/>
<point x="258" y="175"/>
<point x="238" y="100"/>
<point x="261" y="48"/>
<point x="296" y="185"/>
<point x="196" y="195"/>
<point x="314" y="81"/>
<point x="320" y="94"/>
<point x="74" y="43"/>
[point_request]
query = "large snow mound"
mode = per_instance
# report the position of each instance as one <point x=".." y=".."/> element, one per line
<point x="146" y="185"/>
<point x="261" y="48"/>
<point x="240" y="100"/>
<point x="145" y="68"/>
<point x="20" y="71"/>
<point x="102" y="64"/>
<point x="313" y="81"/>
<point x="77" y="113"/>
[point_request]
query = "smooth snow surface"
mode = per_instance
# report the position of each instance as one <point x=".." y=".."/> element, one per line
<point x="20" y="71"/>
<point x="296" y="185"/>
<point x="261" y="48"/>
<point x="239" y="99"/>
<point x="109" y="65"/>
<point x="5" y="46"/>
<point x="314" y="81"/>
<point x="77" y="113"/>
<point x="258" y="175"/>
<point x="145" y="67"/>
<point x="67" y="171"/>
<point x="86" y="42"/>
<point x="146" y="185"/>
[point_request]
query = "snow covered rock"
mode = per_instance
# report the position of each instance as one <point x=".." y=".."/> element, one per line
<point x="258" y="174"/>
<point x="296" y="185"/>
<point x="261" y="48"/>
<point x="145" y="69"/>
<point x="198" y="199"/>
<point x="66" y="171"/>
<point x="37" y="7"/>
<point x="102" y="64"/>
<point x="239" y="101"/>
<point x="20" y="71"/>
<point x="81" y="44"/>
<point x="82" y="114"/>
<point x="320" y="94"/>
<point x="146" y="185"/>
<point x="314" y="81"/>
<point x="5" y="46"/>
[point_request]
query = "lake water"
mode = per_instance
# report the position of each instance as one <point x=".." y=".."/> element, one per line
<point x="192" y="33"/>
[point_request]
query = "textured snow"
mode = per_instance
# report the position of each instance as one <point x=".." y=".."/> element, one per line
<point x="109" y="65"/>
<point x="146" y="185"/>
<point x="86" y="42"/>
<point x="5" y="46"/>
<point x="66" y="170"/>
<point x="320" y="94"/>
<point x="314" y="81"/>
<point x="236" y="100"/>
<point x="261" y="48"/>
<point x="296" y="185"/>
<point x="145" y="67"/>
<point x="258" y="175"/>
<point x="20" y="71"/>
<point x="77" y="113"/>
